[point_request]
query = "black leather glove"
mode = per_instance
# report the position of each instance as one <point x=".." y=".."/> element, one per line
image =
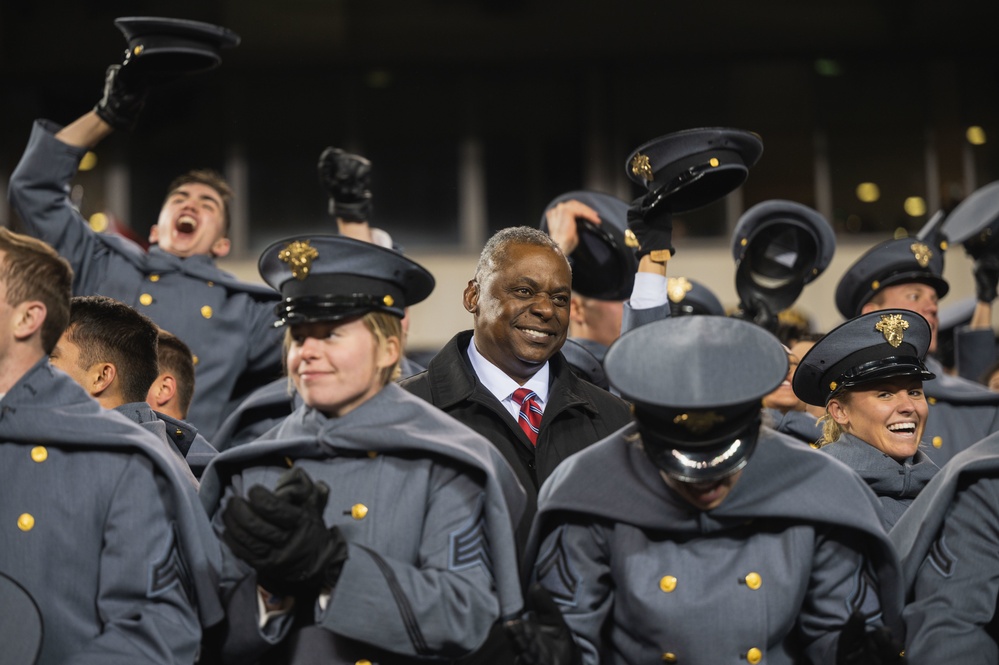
<point x="651" y="220"/>
<point x="347" y="178"/>
<point x="282" y="535"/>
<point x="986" y="273"/>
<point x="860" y="645"/>
<point x="541" y="636"/>
<point x="125" y="93"/>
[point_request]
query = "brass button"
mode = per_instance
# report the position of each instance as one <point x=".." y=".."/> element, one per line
<point x="154" y="278"/>
<point x="937" y="442"/>
<point x="194" y="359"/>
<point x="754" y="656"/>
<point x="39" y="454"/>
<point x="754" y="581"/>
<point x="146" y="299"/>
<point x="669" y="657"/>
<point x="667" y="583"/>
<point x="210" y="283"/>
<point x="363" y="662"/>
<point x="388" y="300"/>
<point x="358" y="511"/>
<point x="931" y="400"/>
<point x="25" y="522"/>
<point x="178" y="432"/>
<point x="875" y="285"/>
<point x="372" y="454"/>
<point x="206" y="312"/>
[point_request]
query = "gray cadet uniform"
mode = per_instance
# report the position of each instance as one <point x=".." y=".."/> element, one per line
<point x="895" y="483"/>
<point x="961" y="412"/>
<point x="428" y="509"/>
<point x="422" y="508"/>
<point x="101" y="529"/>
<point x="770" y="574"/>
<point x="948" y="541"/>
<point x="180" y="437"/>
<point x="226" y="322"/>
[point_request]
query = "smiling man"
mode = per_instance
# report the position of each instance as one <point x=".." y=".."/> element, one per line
<point x="519" y="300"/>
<point x="176" y="283"/>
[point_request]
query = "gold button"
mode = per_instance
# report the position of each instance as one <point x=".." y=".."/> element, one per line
<point x="667" y="583"/>
<point x="388" y="300"/>
<point x="194" y="359"/>
<point x="744" y="242"/>
<point x="754" y="656"/>
<point x="210" y="283"/>
<point x="39" y="454"/>
<point x="937" y="442"/>
<point x="25" y="522"/>
<point x="832" y="385"/>
<point x="372" y="454"/>
<point x="875" y="285"/>
<point x="154" y="278"/>
<point x="206" y="312"/>
<point x="358" y="511"/>
<point x="363" y="662"/>
<point x="669" y="657"/>
<point x="931" y="400"/>
<point x="754" y="581"/>
<point x="714" y="162"/>
<point x="178" y="432"/>
<point x="146" y="299"/>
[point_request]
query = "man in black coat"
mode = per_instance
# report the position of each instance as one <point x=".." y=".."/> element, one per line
<point x="519" y="298"/>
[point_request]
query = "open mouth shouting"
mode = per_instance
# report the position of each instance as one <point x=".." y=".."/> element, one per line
<point x="186" y="225"/>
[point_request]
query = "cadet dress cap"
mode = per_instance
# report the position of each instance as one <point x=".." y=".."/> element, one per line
<point x="779" y="247"/>
<point x="895" y="261"/>
<point x="604" y="263"/>
<point x="171" y="46"/>
<point x="687" y="296"/>
<point x="328" y="278"/>
<point x="885" y="344"/>
<point x="699" y="165"/>
<point x="974" y="223"/>
<point x="697" y="384"/>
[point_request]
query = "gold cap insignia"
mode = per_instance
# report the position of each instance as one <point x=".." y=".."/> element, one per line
<point x="299" y="255"/>
<point x="641" y="167"/>
<point x="700" y="422"/>
<point x="922" y="253"/>
<point x="892" y="326"/>
<point x="630" y="239"/>
<point x="388" y="301"/>
<point x="677" y="288"/>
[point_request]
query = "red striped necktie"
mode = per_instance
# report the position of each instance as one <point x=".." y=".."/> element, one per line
<point x="530" y="413"/>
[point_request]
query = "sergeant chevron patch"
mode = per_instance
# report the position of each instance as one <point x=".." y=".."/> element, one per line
<point x="555" y="572"/>
<point x="469" y="543"/>
<point x="170" y="570"/>
<point x="941" y="558"/>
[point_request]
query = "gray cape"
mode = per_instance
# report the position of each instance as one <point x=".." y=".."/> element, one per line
<point x="67" y="420"/>
<point x="783" y="480"/>
<point x="411" y="424"/>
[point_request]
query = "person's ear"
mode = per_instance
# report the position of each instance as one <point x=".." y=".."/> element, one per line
<point x="162" y="391"/>
<point x="103" y="375"/>
<point x="388" y="353"/>
<point x="869" y="307"/>
<point x="837" y="412"/>
<point x="221" y="248"/>
<point x="470" y="298"/>
<point x="28" y="318"/>
<point x="577" y="309"/>
<point x="154" y="234"/>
